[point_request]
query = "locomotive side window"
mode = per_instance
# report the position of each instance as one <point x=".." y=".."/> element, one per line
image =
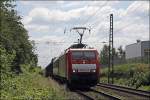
<point x="83" y="55"/>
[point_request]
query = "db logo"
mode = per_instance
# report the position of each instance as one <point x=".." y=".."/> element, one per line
<point x="83" y="62"/>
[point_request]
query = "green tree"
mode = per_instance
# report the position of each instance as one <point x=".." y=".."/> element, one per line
<point x="117" y="55"/>
<point x="121" y="53"/>
<point x="104" y="55"/>
<point x="14" y="37"/>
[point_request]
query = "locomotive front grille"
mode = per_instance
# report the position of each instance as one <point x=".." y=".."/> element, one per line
<point x="84" y="67"/>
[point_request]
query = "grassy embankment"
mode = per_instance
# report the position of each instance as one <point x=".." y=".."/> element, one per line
<point x="134" y="75"/>
<point x="32" y="85"/>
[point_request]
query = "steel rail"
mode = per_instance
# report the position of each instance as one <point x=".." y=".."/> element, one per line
<point x="126" y="89"/>
<point x="106" y="95"/>
<point x="87" y="97"/>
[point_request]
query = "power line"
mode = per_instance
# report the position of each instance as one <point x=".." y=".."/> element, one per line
<point x="93" y="14"/>
<point x="82" y="16"/>
<point x="124" y="26"/>
<point x="74" y="42"/>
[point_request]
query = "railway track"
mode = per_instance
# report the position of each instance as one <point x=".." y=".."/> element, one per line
<point x="130" y="91"/>
<point x="113" y="92"/>
<point x="110" y="92"/>
<point x="93" y="94"/>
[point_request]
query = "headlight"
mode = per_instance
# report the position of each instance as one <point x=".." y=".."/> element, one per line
<point x="93" y="70"/>
<point x="74" y="70"/>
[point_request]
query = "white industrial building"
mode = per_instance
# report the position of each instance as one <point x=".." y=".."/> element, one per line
<point x="138" y="50"/>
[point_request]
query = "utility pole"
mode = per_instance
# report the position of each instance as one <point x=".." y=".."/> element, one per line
<point x="111" y="58"/>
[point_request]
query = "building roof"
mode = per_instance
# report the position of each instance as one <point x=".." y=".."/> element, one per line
<point x="137" y="43"/>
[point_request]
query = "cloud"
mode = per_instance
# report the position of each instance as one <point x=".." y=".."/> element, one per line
<point x="45" y="14"/>
<point x="38" y="28"/>
<point x="25" y="2"/>
<point x="49" y="38"/>
<point x="138" y="8"/>
<point x="26" y="20"/>
<point x="40" y="2"/>
<point x="130" y="23"/>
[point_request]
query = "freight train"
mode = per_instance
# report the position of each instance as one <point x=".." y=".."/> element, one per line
<point x="79" y="66"/>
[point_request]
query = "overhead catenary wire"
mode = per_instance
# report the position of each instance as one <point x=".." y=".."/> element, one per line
<point x="94" y="14"/>
<point x="115" y="30"/>
<point x="125" y="26"/>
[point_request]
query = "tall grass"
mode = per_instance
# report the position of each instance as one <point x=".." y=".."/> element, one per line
<point x="135" y="75"/>
<point x="29" y="86"/>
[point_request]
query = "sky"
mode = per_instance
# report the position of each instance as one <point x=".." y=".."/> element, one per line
<point x="46" y="21"/>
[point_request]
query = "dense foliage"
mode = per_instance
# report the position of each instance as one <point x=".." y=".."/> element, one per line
<point x="15" y="47"/>
<point x="29" y="86"/>
<point x="16" y="56"/>
<point x="135" y="75"/>
<point x="118" y="55"/>
<point x="20" y="77"/>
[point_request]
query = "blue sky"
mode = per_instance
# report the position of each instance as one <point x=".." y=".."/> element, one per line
<point x="46" y="21"/>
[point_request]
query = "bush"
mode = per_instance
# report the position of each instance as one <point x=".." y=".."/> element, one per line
<point x="28" y="86"/>
<point x="133" y="75"/>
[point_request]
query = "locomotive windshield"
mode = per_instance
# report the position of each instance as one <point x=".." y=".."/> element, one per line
<point x="87" y="55"/>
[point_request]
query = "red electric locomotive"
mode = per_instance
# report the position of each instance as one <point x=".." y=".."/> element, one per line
<point x="78" y="66"/>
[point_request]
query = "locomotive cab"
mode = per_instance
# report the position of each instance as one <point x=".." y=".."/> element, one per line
<point x="84" y="67"/>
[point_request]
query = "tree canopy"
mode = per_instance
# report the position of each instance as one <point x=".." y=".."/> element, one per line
<point x="118" y="54"/>
<point x="14" y="39"/>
